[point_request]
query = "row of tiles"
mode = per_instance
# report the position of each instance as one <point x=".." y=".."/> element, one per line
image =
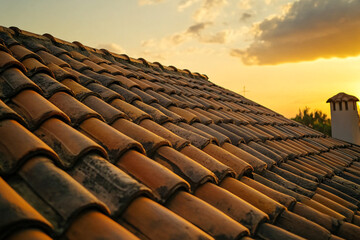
<point x="89" y="182"/>
<point x="96" y="123"/>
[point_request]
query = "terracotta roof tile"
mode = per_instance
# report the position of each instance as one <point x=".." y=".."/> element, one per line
<point x="145" y="97"/>
<point x="150" y="141"/>
<point x="116" y="189"/>
<point x="142" y="168"/>
<point x="94" y="225"/>
<point x="34" y="182"/>
<point x="107" y="94"/>
<point x="266" y="152"/>
<point x="257" y="164"/>
<point x="173" y="116"/>
<point x="115" y="142"/>
<point x="141" y="83"/>
<point x="286" y="200"/>
<point x="48" y="58"/>
<point x="237" y="164"/>
<point x="135" y="114"/>
<point x="129" y="96"/>
<point x="324" y="209"/>
<point x="267" y="231"/>
<point x="21" y="53"/>
<point x="7" y="61"/>
<point x="141" y="215"/>
<point x="165" y="101"/>
<point x="76" y="76"/>
<point x="19" y="145"/>
<point x="89" y="136"/>
<point x="78" y="66"/>
<point x="6" y="113"/>
<point x="17" y="214"/>
<point x="35" y="109"/>
<point x="219" y="169"/>
<point x="349" y="231"/>
<point x="299" y="225"/>
<point x="13" y="81"/>
<point x="228" y="130"/>
<point x="113" y="70"/>
<point x="77" y="111"/>
<point x="108" y="112"/>
<point x="49" y="85"/>
<point x="156" y="114"/>
<point x="233" y="206"/>
<point x="30" y="234"/>
<point x="269" y="161"/>
<point x="206" y="217"/>
<point x="194" y="173"/>
<point x="67" y="142"/>
<point x="277" y="187"/>
<point x="34" y="66"/>
<point x="318" y="217"/>
<point x="272" y="208"/>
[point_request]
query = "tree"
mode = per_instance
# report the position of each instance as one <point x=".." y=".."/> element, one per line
<point x="316" y="120"/>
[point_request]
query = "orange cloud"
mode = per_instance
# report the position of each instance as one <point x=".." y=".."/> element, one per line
<point x="309" y="30"/>
<point x="112" y="47"/>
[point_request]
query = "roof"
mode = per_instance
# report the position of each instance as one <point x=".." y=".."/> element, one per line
<point x="95" y="144"/>
<point x="342" y="97"/>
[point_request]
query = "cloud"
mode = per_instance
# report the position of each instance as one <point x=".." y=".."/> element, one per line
<point x="185" y="4"/>
<point x="245" y="4"/>
<point x="308" y="30"/>
<point x="245" y="16"/>
<point x="196" y="32"/>
<point x="112" y="47"/>
<point x="209" y="10"/>
<point x="219" y="37"/>
<point x="198" y="27"/>
<point x="149" y="2"/>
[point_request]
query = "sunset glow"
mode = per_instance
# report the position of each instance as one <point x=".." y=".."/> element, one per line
<point x="286" y="54"/>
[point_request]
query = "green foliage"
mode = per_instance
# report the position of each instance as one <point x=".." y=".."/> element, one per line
<point x="316" y="120"/>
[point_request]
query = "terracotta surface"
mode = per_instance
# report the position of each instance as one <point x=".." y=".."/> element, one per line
<point x="98" y="144"/>
<point x="30" y="234"/>
<point x="156" y="222"/>
<point x="77" y="111"/>
<point x="324" y="220"/>
<point x="17" y="213"/>
<point x="8" y="61"/>
<point x="112" y="140"/>
<point x="150" y="141"/>
<point x="237" y="164"/>
<point x="206" y="217"/>
<point x="194" y="173"/>
<point x="13" y="81"/>
<point x="94" y="225"/>
<point x="233" y="206"/>
<point x="108" y="112"/>
<point x="35" y="109"/>
<point x="299" y="225"/>
<point x="116" y="188"/>
<point x="142" y="168"/>
<point x="271" y="232"/>
<point x="219" y="169"/>
<point x="254" y="197"/>
<point x="17" y="145"/>
<point x="68" y="143"/>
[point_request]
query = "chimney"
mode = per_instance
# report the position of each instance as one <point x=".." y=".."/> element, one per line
<point x="344" y="118"/>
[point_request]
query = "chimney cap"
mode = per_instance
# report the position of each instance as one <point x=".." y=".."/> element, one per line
<point x="342" y="97"/>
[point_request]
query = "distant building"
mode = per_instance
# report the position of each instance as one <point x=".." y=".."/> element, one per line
<point x="344" y="117"/>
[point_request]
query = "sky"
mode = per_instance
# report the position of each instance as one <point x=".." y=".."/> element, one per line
<point x="283" y="54"/>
